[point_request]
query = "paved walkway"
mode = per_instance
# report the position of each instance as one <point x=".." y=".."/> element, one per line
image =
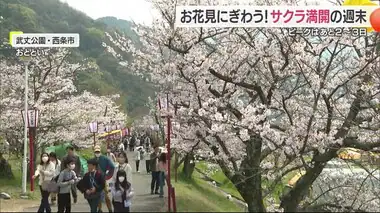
<point x="142" y="202"/>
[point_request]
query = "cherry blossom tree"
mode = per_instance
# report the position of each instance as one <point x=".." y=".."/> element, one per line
<point x="267" y="104"/>
<point x="64" y="112"/>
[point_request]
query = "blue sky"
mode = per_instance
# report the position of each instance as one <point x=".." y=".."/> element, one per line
<point x="139" y="11"/>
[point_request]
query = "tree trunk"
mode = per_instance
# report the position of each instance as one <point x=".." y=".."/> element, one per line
<point x="5" y="168"/>
<point x="291" y="201"/>
<point x="248" y="183"/>
<point x="161" y="130"/>
<point x="176" y="162"/>
<point x="188" y="165"/>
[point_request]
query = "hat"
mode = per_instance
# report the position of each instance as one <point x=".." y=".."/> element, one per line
<point x="97" y="148"/>
<point x="68" y="161"/>
<point x="92" y="161"/>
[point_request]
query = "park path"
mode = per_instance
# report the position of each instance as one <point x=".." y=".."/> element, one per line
<point x="142" y="202"/>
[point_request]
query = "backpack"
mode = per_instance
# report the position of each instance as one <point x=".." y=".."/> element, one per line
<point x="56" y="177"/>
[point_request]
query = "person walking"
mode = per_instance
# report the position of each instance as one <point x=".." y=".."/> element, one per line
<point x="122" y="193"/>
<point x="126" y="143"/>
<point x="163" y="169"/>
<point x="147" y="160"/>
<point x="107" y="168"/>
<point x="123" y="165"/>
<point x="121" y="147"/>
<point x="92" y="185"/>
<point x="111" y="155"/>
<point x="57" y="165"/>
<point x="132" y="143"/>
<point x="147" y="143"/>
<point x="45" y="171"/>
<point x="155" y="171"/>
<point x="78" y="169"/>
<point x="66" y="179"/>
<point x="142" y="154"/>
<point x="138" y="143"/>
<point x="138" y="158"/>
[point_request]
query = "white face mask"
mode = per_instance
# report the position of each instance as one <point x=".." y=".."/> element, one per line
<point x="121" y="179"/>
<point x="72" y="166"/>
<point x="97" y="155"/>
<point x="45" y="159"/>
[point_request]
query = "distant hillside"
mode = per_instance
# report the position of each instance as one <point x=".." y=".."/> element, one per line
<point x="51" y="16"/>
<point x="122" y="25"/>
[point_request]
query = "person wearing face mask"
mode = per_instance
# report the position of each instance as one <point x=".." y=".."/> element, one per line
<point x="92" y="185"/>
<point x="111" y="156"/>
<point x="123" y="165"/>
<point x="66" y="179"/>
<point x="107" y="168"/>
<point x="45" y="172"/>
<point x="122" y="193"/>
<point x="78" y="168"/>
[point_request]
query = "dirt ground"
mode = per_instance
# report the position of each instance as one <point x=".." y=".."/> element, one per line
<point x="16" y="205"/>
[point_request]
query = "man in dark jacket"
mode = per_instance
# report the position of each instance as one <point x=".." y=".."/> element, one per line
<point x="132" y="143"/>
<point x="154" y="169"/>
<point x="92" y="185"/>
<point x="77" y="170"/>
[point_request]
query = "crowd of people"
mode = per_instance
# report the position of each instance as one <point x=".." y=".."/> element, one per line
<point x="61" y="179"/>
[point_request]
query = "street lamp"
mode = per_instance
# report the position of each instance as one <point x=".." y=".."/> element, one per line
<point x="163" y="104"/>
<point x="93" y="127"/>
<point x="30" y="117"/>
<point x="24" y="162"/>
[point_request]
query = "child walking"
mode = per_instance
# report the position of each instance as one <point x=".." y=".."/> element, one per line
<point x="92" y="185"/>
<point x="66" y="179"/>
<point x="122" y="193"/>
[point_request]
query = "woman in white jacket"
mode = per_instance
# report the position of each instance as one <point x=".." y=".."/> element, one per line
<point x="138" y="157"/>
<point x="123" y="164"/>
<point x="45" y="171"/>
<point x="57" y="165"/>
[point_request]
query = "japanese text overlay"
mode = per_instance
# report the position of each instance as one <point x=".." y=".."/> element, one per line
<point x="47" y="40"/>
<point x="274" y="16"/>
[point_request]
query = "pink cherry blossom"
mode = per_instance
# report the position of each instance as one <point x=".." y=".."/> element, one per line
<point x="267" y="104"/>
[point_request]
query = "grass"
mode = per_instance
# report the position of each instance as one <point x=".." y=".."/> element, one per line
<point x="196" y="195"/>
<point x="226" y="185"/>
<point x="218" y="176"/>
<point x="14" y="188"/>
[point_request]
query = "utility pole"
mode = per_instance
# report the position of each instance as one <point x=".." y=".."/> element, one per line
<point x="24" y="162"/>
